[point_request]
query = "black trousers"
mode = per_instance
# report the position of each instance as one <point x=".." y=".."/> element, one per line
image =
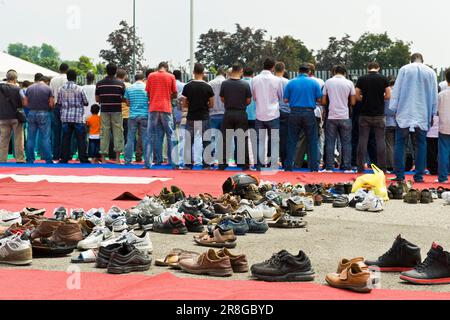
<point x="79" y="129"/>
<point x="432" y="155"/>
<point x="234" y="120"/>
<point x="284" y="119"/>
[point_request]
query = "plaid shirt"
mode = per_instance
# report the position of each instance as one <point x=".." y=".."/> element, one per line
<point x="72" y="100"/>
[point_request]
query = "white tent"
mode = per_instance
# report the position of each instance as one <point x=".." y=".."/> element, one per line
<point x="25" y="69"/>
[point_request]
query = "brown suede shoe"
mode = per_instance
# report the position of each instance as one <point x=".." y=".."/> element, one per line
<point x="45" y="229"/>
<point x="68" y="234"/>
<point x="344" y="264"/>
<point x="239" y="262"/>
<point x="353" y="278"/>
<point x="208" y="263"/>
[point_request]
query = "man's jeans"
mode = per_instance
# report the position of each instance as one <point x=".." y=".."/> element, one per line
<point x="164" y="120"/>
<point x="303" y="119"/>
<point x="6" y="128"/>
<point x="444" y="154"/>
<point x="134" y="125"/>
<point x="263" y="130"/>
<point x="343" y="128"/>
<point x="401" y="136"/>
<point x="56" y="135"/>
<point x="111" y="121"/>
<point x="194" y="129"/>
<point x="379" y="126"/>
<point x="215" y="123"/>
<point x="69" y="128"/>
<point x="39" y="121"/>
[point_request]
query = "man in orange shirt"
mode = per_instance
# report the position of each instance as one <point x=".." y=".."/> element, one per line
<point x="161" y="88"/>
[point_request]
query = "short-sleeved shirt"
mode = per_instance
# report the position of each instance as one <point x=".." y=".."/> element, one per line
<point x="235" y="92"/>
<point x="93" y="122"/>
<point x="338" y="89"/>
<point x="111" y="91"/>
<point x="138" y="98"/>
<point x="372" y="86"/>
<point x="198" y="94"/>
<point x="38" y="95"/>
<point x="302" y="92"/>
<point x="444" y="111"/>
<point x="10" y="101"/>
<point x="160" y="87"/>
<point x="72" y="100"/>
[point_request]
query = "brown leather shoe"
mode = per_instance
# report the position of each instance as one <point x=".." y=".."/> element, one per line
<point x="68" y="234"/>
<point x="45" y="229"/>
<point x="239" y="262"/>
<point x="208" y="263"/>
<point x="86" y="227"/>
<point x="345" y="263"/>
<point x="353" y="278"/>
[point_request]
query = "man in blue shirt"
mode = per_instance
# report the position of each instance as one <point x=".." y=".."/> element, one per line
<point x="302" y="94"/>
<point x="137" y="99"/>
<point x="414" y="100"/>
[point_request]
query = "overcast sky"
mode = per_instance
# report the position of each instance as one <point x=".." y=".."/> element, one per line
<point x="80" y="27"/>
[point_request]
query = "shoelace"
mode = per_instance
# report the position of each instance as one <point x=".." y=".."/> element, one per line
<point x="425" y="264"/>
<point x="392" y="250"/>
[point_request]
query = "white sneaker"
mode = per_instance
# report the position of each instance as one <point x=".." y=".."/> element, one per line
<point x="298" y="190"/>
<point x="255" y="212"/>
<point x="15" y="251"/>
<point x="151" y="205"/>
<point x="376" y="205"/>
<point x="446" y="196"/>
<point x="115" y="220"/>
<point x="96" y="216"/>
<point x="95" y="239"/>
<point x="267" y="211"/>
<point x="142" y="243"/>
<point x="371" y="203"/>
<point x="76" y="214"/>
<point x="7" y="219"/>
<point x="308" y="203"/>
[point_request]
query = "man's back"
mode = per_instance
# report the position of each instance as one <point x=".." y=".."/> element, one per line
<point x="216" y="85"/>
<point x="373" y="87"/>
<point x="198" y="94"/>
<point x="110" y="91"/>
<point x="10" y="101"/>
<point x="38" y="95"/>
<point x="160" y="87"/>
<point x="56" y="84"/>
<point x="73" y="100"/>
<point x="444" y="111"/>
<point x="138" y="98"/>
<point x="338" y="89"/>
<point x="235" y="92"/>
<point x="302" y="92"/>
<point x="267" y="91"/>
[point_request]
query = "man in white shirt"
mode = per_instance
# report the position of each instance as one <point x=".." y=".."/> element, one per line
<point x="56" y="84"/>
<point x="338" y="91"/>
<point x="89" y="91"/>
<point x="216" y="114"/>
<point x="267" y="92"/>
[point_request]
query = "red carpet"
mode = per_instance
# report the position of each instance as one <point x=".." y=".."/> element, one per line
<point x="47" y="285"/>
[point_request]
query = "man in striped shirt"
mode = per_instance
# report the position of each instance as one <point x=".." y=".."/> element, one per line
<point x="109" y="94"/>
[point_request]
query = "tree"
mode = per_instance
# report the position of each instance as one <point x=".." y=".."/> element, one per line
<point x="121" y="52"/>
<point x="289" y="50"/>
<point x="380" y="48"/>
<point x="337" y="52"/>
<point x="83" y="65"/>
<point x="45" y="55"/>
<point x="247" y="46"/>
<point x="213" y="49"/>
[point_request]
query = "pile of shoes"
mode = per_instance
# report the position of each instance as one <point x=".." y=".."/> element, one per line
<point x="403" y="190"/>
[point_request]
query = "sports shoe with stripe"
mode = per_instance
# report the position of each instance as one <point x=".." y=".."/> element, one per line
<point x="142" y="242"/>
<point x="7" y="219"/>
<point x="15" y="251"/>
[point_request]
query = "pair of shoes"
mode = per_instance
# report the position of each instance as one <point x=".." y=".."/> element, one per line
<point x="221" y="263"/>
<point x="415" y="196"/>
<point x="352" y="275"/>
<point x="171" y="222"/>
<point x="371" y="203"/>
<point x="142" y="242"/>
<point x="15" y="251"/>
<point x="236" y="223"/>
<point x="217" y="238"/>
<point x="285" y="221"/>
<point x="62" y="214"/>
<point x="93" y="241"/>
<point x="284" y="267"/>
<point x="171" y="196"/>
<point x="122" y="258"/>
<point x="255" y="225"/>
<point x="116" y="219"/>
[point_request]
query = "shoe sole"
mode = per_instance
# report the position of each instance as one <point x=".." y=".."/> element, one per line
<point x="174" y="231"/>
<point x="426" y="281"/>
<point x="292" y="277"/>
<point x="210" y="272"/>
<point x="243" y="269"/>
<point x="390" y="269"/>
<point x="364" y="289"/>
<point x="228" y="245"/>
<point x="17" y="263"/>
<point x="121" y="270"/>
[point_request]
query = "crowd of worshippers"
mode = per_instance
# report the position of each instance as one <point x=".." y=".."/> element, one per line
<point x="399" y="123"/>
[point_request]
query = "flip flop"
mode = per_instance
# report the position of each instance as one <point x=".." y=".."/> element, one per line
<point x="171" y="258"/>
<point x="89" y="256"/>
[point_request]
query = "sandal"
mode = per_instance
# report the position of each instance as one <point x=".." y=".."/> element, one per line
<point x="174" y="257"/>
<point x="285" y="221"/>
<point x="218" y="239"/>
<point x="296" y="207"/>
<point x="89" y="256"/>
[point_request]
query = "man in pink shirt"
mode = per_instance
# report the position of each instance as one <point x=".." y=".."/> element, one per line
<point x="161" y="88"/>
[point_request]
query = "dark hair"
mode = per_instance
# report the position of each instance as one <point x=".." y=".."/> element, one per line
<point x="447" y="75"/>
<point x="373" y="65"/>
<point x="90" y="78"/>
<point x="237" y="67"/>
<point x="95" y="109"/>
<point x="26" y="84"/>
<point x="280" y="67"/>
<point x="164" y="65"/>
<point x="269" y="64"/>
<point x="417" y="56"/>
<point x="71" y="75"/>
<point x="38" y="77"/>
<point x="177" y="74"/>
<point x="63" y="68"/>
<point x="148" y="71"/>
<point x="221" y="72"/>
<point x="121" y="74"/>
<point x="312" y="67"/>
<point x="111" y="69"/>
<point x="391" y="80"/>
<point x="304" y="68"/>
<point x="339" y="69"/>
<point x="248" y="72"/>
<point x="139" y="76"/>
<point x="45" y="79"/>
<point x="199" y="68"/>
<point x="286" y="75"/>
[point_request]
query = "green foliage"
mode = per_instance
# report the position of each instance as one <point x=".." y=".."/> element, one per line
<point x="45" y="55"/>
